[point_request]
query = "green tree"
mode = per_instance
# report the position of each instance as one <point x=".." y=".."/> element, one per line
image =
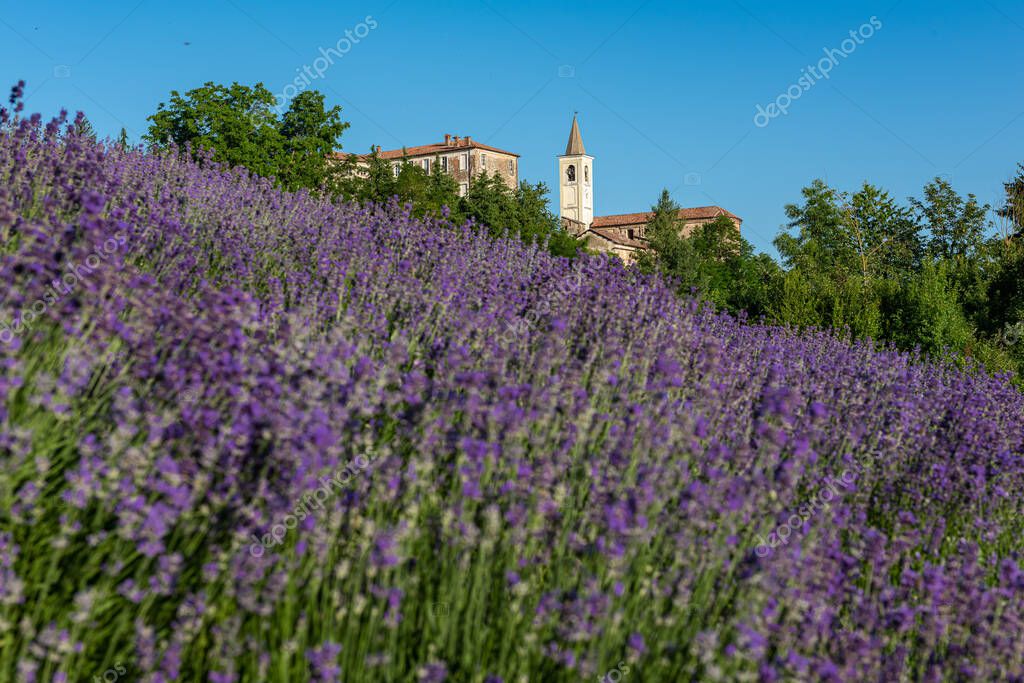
<point x="374" y="181"/>
<point x="667" y="251"/>
<point x="443" y="193"/>
<point x="537" y="224"/>
<point x="713" y="259"/>
<point x="924" y="312"/>
<point x="845" y="253"/>
<point x="1004" y="294"/>
<point x="757" y="283"/>
<point x="239" y="125"/>
<point x="822" y="241"/>
<point x="428" y="193"/>
<point x="310" y="135"/>
<point x="819" y="247"/>
<point x="82" y="127"/>
<point x="866" y="235"/>
<point x="887" y="238"/>
<point x="442" y="190"/>
<point x="521" y="212"/>
<point x="795" y="301"/>
<point x="1013" y="210"/>
<point x="716" y="257"/>
<point x="490" y="202"/>
<point x="956" y="226"/>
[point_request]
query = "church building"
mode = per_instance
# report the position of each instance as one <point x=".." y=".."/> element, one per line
<point x="623" y="234"/>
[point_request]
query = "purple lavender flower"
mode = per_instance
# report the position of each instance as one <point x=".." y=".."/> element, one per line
<point x="615" y="464"/>
<point x="323" y="662"/>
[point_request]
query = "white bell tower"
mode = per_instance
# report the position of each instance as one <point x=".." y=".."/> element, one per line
<point x="576" y="180"/>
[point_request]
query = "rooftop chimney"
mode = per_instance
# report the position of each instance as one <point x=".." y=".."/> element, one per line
<point x="456" y="138"/>
<point x="469" y="141"/>
<point x="447" y="139"/>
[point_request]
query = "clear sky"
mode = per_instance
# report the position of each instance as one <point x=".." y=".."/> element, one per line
<point x="667" y="92"/>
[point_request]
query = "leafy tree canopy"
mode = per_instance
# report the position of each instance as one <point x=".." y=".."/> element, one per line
<point x="239" y="125"/>
<point x="1013" y="210"/>
<point x="714" y="259"/>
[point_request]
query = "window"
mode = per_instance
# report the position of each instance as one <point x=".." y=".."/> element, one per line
<point x="570" y="173"/>
<point x="511" y="166"/>
<point x="630" y="232"/>
<point x="483" y="162"/>
<point x="444" y="164"/>
<point x="426" y="165"/>
<point x="464" y="161"/>
<point x="397" y="169"/>
<point x="586" y="174"/>
<point x="463" y="189"/>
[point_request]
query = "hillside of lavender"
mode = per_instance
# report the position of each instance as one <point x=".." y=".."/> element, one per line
<point x="251" y="435"/>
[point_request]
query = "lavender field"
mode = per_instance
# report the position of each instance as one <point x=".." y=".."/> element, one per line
<point x="249" y="435"/>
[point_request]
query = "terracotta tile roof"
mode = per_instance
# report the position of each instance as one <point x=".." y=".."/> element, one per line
<point x="622" y="241"/>
<point x="429" y="150"/>
<point x="696" y="213"/>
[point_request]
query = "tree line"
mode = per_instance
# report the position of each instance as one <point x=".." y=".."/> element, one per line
<point x="933" y="272"/>
<point x="927" y="273"/>
<point x="240" y="125"/>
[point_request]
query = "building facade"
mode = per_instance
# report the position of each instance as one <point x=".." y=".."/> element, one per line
<point x="462" y="157"/>
<point x="622" y="234"/>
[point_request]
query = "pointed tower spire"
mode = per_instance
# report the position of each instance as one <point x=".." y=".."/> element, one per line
<point x="575" y="145"/>
<point x="575" y="184"/>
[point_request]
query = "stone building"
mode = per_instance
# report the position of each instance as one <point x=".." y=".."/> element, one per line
<point x="462" y="157"/>
<point x="623" y="234"/>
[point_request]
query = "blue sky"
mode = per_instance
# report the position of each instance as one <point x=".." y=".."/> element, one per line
<point x="667" y="91"/>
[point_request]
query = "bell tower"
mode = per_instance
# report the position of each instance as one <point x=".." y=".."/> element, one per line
<point x="576" y="180"/>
